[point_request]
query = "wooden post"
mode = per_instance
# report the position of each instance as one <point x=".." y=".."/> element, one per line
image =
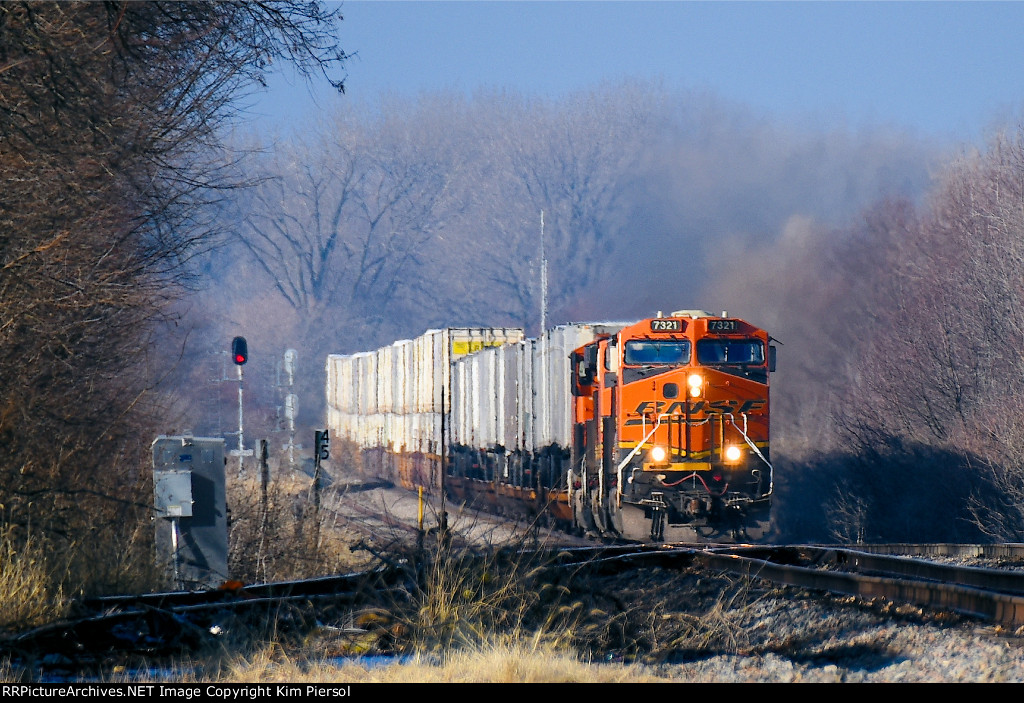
<point x="264" y="480"/>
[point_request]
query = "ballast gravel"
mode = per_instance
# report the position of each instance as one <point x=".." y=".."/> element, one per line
<point x="821" y="640"/>
<point x="787" y="635"/>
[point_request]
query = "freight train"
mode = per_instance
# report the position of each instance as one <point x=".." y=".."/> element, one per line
<point x="655" y="430"/>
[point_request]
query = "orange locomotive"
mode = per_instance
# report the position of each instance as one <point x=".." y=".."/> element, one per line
<point x="670" y="430"/>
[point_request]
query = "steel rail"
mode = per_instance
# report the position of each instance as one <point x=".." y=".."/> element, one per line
<point x="966" y="590"/>
<point x="1003" y="580"/>
<point x="1006" y="550"/>
<point x="991" y="594"/>
<point x="324" y="585"/>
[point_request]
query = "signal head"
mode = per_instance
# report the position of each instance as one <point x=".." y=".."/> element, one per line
<point x="239" y="350"/>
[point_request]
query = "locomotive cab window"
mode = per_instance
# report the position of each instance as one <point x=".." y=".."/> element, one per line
<point x="657" y="352"/>
<point x="729" y="351"/>
<point x="583" y="374"/>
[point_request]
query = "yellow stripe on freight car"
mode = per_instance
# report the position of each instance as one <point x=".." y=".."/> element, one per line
<point x="468" y="347"/>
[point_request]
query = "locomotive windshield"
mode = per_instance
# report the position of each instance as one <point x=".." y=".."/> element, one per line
<point x="652" y="352"/>
<point x="728" y="351"/>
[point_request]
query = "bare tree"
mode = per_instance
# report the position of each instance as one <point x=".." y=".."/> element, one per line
<point x="338" y="225"/>
<point x="109" y="125"/>
<point x="938" y="372"/>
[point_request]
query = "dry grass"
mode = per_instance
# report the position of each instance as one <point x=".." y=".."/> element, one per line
<point x="656" y="615"/>
<point x="113" y="561"/>
<point x="498" y="618"/>
<point x="514" y="661"/>
<point x="719" y="626"/>
<point x="32" y="591"/>
<point x="461" y="599"/>
<point x="283" y="538"/>
<point x="491" y="630"/>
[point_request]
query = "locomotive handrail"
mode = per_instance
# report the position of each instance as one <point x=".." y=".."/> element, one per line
<point x="743" y="432"/>
<point x="629" y="457"/>
<point x="747" y="439"/>
<point x="654" y="428"/>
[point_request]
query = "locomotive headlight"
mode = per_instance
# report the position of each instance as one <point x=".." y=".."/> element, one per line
<point x="658" y="455"/>
<point x="733" y="453"/>
<point x="695" y="382"/>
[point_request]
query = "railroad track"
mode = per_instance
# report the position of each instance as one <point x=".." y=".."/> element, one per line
<point x="175" y="623"/>
<point x="372" y="518"/>
<point x="376" y="511"/>
<point x="995" y="595"/>
<point x="1006" y="553"/>
<point x="992" y="594"/>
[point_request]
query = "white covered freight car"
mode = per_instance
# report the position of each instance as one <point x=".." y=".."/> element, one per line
<point x="499" y="405"/>
<point x="512" y="420"/>
<point x="393" y="403"/>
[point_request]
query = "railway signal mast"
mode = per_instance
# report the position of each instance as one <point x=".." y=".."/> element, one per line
<point x="240" y="355"/>
<point x="543" y="281"/>
<point x="291" y="404"/>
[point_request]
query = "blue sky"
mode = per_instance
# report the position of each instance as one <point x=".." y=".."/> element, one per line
<point x="945" y="69"/>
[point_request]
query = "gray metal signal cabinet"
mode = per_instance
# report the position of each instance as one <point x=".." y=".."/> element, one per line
<point x="190" y="511"/>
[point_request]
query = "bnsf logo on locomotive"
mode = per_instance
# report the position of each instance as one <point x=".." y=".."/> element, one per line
<point x="714" y="407"/>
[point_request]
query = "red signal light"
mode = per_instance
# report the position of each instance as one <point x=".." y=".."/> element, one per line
<point x="239" y="350"/>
